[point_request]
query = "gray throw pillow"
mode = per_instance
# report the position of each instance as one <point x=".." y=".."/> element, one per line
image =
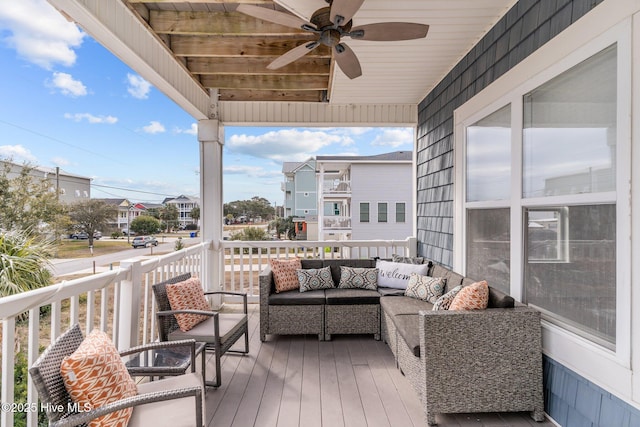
<point x="358" y="278"/>
<point x="312" y="279"/>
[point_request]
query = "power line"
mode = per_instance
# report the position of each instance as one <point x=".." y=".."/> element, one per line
<point x="135" y="191"/>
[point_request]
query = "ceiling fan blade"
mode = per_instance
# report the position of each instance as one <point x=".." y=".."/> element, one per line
<point x="347" y="61"/>
<point x="295" y="53"/>
<point x="273" y="16"/>
<point x="345" y="9"/>
<point x="389" y="31"/>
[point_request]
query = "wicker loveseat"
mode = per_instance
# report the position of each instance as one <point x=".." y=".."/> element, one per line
<point x="457" y="361"/>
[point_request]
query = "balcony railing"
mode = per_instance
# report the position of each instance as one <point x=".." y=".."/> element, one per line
<point x="336" y="188"/>
<point x="121" y="302"/>
<point x="336" y="223"/>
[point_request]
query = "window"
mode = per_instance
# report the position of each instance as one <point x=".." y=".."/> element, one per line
<point x="401" y="212"/>
<point x="489" y="157"/>
<point x="382" y="212"/>
<point x="565" y="207"/>
<point x="489" y="246"/>
<point x="364" y="212"/>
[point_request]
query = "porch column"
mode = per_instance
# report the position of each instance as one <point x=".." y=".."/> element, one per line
<point x="211" y="142"/>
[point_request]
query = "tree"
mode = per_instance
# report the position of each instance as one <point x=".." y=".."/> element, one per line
<point x="91" y="215"/>
<point x="195" y="213"/>
<point x="283" y="226"/>
<point x="145" y="224"/>
<point x="169" y="214"/>
<point x="27" y="202"/>
<point x="256" y="207"/>
<point x="24" y="263"/>
<point x="250" y="234"/>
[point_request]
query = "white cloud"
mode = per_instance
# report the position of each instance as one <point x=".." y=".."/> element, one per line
<point x="251" y="171"/>
<point x="16" y="153"/>
<point x="193" y="130"/>
<point x="138" y="87"/>
<point x="60" y="161"/>
<point x="39" y="33"/>
<point x="394" y="137"/>
<point x="66" y="84"/>
<point x="285" y="144"/>
<point x="154" y="127"/>
<point x="78" y="117"/>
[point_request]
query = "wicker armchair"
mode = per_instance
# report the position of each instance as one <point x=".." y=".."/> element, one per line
<point x="177" y="401"/>
<point x="219" y="333"/>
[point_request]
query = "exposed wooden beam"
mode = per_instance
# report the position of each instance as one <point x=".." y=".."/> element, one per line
<point x="217" y="23"/>
<point x="265" y="95"/>
<point x="262" y="82"/>
<point x="244" y="65"/>
<point x="204" y="1"/>
<point x="201" y="46"/>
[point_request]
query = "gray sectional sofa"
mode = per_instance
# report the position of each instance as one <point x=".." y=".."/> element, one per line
<point x="457" y="361"/>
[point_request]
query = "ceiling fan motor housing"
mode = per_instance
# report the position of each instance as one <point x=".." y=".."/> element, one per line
<point x="330" y="33"/>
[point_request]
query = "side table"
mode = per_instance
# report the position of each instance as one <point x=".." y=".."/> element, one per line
<point x="164" y="362"/>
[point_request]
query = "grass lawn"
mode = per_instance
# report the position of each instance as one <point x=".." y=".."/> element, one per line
<point x="80" y="248"/>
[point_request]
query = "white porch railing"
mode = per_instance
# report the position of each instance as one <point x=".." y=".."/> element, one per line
<point x="121" y="301"/>
<point x="336" y="223"/>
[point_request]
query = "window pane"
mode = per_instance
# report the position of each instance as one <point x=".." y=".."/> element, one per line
<point x="489" y="157"/>
<point x="569" y="136"/>
<point x="364" y="212"/>
<point x="570" y="267"/>
<point x="382" y="212"/>
<point x="400" y="212"/>
<point x="489" y="246"/>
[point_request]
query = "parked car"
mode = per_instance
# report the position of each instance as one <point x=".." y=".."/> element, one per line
<point x="128" y="233"/>
<point x="97" y="235"/>
<point x="80" y="235"/>
<point x="144" y="242"/>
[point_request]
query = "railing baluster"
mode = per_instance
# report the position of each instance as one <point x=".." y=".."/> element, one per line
<point x="8" y="361"/>
<point x="32" y="355"/>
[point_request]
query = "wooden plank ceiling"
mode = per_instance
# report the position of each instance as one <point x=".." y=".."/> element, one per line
<point x="230" y="51"/>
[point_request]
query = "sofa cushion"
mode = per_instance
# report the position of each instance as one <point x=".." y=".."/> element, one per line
<point x="336" y="265"/>
<point x="407" y="259"/>
<point x="453" y="279"/>
<point x="407" y="327"/>
<point x="444" y="302"/>
<point x="498" y="299"/>
<point x="384" y="291"/>
<point x="351" y="296"/>
<point x="472" y="297"/>
<point x="425" y="288"/>
<point x="394" y="306"/>
<point x="358" y="278"/>
<point x="312" y="263"/>
<point x="397" y="274"/>
<point x="311" y="279"/>
<point x="284" y="273"/>
<point x="295" y="297"/>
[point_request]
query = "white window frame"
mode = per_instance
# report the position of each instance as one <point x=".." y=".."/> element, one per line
<point x="604" y="26"/>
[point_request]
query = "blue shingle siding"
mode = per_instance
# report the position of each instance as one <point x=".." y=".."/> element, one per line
<point x="527" y="26"/>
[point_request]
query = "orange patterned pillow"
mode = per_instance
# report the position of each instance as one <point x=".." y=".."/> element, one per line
<point x="188" y="295"/>
<point x="95" y="375"/>
<point x="285" y="273"/>
<point x="472" y="297"/>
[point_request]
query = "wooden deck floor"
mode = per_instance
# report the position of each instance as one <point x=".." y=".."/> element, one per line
<point x="350" y="381"/>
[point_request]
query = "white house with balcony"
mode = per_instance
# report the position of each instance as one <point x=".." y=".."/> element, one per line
<point x="357" y="197"/>
<point x="185" y="205"/>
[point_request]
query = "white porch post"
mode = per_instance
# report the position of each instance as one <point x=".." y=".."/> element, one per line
<point x="211" y="142"/>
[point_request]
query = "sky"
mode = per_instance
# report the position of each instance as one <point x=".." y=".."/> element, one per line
<point x="66" y="101"/>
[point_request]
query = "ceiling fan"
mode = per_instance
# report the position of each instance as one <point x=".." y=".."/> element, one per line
<point x="331" y="24"/>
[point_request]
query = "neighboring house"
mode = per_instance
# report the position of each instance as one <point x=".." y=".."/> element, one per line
<point x="71" y="187"/>
<point x="300" y="191"/>
<point x="358" y="200"/>
<point x="185" y="205"/>
<point x="126" y="212"/>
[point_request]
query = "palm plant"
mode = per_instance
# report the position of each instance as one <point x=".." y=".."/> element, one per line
<point x="23" y="262"/>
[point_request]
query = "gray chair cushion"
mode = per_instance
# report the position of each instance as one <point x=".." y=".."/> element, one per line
<point x="498" y="299"/>
<point x="351" y="296"/>
<point x="453" y="279"/>
<point x="230" y="323"/>
<point x="296" y="297"/>
<point x="175" y="412"/>
<point x="390" y="292"/>
<point x="395" y="305"/>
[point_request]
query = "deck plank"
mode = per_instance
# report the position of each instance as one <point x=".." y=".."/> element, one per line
<point x="298" y="381"/>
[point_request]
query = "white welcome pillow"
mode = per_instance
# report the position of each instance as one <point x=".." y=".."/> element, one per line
<point x="397" y="274"/>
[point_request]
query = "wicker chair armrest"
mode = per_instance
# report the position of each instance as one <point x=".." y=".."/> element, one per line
<point x="238" y="294"/>
<point x="213" y="314"/>
<point x="265" y="279"/>
<point x="141" y="399"/>
<point x="159" y="344"/>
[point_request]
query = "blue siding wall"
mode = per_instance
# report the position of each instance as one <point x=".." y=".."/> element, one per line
<point x="573" y="401"/>
<point x="569" y="399"/>
<point x="526" y="27"/>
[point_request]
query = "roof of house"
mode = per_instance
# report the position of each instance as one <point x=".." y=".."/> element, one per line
<point x="389" y="157"/>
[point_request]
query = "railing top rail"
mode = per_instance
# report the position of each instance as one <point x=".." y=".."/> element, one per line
<point x="312" y="243"/>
